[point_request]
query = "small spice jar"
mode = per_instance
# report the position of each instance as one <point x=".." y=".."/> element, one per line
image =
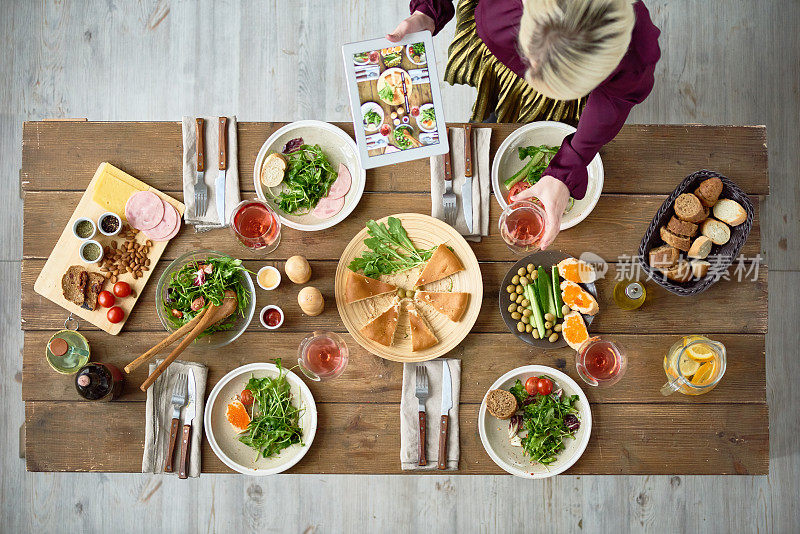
<point x="109" y="223"/>
<point x="91" y="251"/>
<point x="83" y="228"/>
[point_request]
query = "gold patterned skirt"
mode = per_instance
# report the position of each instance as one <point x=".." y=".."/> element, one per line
<point x="500" y="90"/>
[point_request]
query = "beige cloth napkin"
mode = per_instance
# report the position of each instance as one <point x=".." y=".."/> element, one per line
<point x="159" y="418"/>
<point x="409" y="415"/>
<point x="210" y="220"/>
<point x="480" y="181"/>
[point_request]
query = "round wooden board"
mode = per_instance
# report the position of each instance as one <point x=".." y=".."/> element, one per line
<point x="425" y="232"/>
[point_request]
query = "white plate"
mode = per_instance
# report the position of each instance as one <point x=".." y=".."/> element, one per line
<point x="506" y="163"/>
<point x="225" y="441"/>
<point x="494" y="431"/>
<point x="422" y="108"/>
<point x="408" y="55"/>
<point x="337" y="146"/>
<point x="374" y="106"/>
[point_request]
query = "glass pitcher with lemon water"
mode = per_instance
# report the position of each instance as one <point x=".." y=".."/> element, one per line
<point x="694" y="365"/>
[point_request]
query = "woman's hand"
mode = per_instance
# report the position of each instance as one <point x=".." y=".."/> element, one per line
<point x="417" y="22"/>
<point x="554" y="196"/>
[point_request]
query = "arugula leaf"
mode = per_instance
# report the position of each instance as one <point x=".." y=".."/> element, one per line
<point x="386" y="93"/>
<point x="544" y="422"/>
<point x="390" y="250"/>
<point x="519" y="392"/>
<point x="532" y="171"/>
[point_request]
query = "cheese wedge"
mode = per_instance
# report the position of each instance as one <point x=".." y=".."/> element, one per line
<point x="113" y="187"/>
<point x="442" y="264"/>
<point x="359" y="287"/>
<point x="451" y="304"/>
<point x="381" y="328"/>
<point x="421" y="336"/>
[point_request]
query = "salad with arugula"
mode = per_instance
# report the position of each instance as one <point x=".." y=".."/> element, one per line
<point x="428" y="118"/>
<point x="417" y="52"/>
<point x="401" y="137"/>
<point x="275" y="421"/>
<point x="309" y="176"/>
<point x="390" y="250"/>
<point x="372" y="120"/>
<point x="200" y="283"/>
<point x="545" y="418"/>
<point x="540" y="157"/>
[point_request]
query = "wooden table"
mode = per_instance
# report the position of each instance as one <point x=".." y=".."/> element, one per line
<point x="635" y="430"/>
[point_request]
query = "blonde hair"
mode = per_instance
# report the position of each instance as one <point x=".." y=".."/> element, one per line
<point x="571" y="46"/>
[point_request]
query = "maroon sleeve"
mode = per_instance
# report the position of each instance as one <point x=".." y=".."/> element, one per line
<point x="441" y="11"/>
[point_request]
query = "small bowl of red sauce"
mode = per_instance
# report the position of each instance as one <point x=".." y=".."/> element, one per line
<point x="271" y="317"/>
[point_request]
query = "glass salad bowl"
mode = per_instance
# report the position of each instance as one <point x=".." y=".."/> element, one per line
<point x="214" y="340"/>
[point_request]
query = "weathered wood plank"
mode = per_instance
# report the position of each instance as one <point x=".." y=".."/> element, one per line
<point x="363" y="438"/>
<point x="613" y="229"/>
<point x="663" y="312"/>
<point x="370" y="379"/>
<point x="642" y="158"/>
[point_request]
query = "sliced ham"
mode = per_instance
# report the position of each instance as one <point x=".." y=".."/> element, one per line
<point x="167" y="226"/>
<point x="342" y="184"/>
<point x="144" y="210"/>
<point x="328" y="207"/>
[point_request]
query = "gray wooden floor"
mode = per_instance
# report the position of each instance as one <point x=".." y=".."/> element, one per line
<point x="731" y="62"/>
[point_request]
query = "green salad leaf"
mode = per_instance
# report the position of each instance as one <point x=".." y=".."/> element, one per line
<point x="309" y="176"/>
<point x="386" y="93"/>
<point x="390" y="250"/>
<point x="532" y="171"/>
<point x="372" y="117"/>
<point x="275" y="423"/>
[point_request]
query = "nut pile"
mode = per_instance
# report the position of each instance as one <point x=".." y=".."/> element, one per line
<point x="128" y="257"/>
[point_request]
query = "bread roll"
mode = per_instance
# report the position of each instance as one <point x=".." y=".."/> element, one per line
<point x="730" y="212"/>
<point x="709" y="191"/>
<point x="715" y="230"/>
<point x="689" y="208"/>
<point x="273" y="169"/>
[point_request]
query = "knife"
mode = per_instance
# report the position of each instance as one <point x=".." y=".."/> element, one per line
<point x="188" y="418"/>
<point x="447" y="403"/>
<point x="223" y="169"/>
<point x="466" y="189"/>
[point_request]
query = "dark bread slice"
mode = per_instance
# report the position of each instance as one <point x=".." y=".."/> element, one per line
<point x="501" y="403"/>
<point x="680" y="272"/>
<point x="74" y="283"/>
<point x="689" y="208"/>
<point x="664" y="257"/>
<point x="682" y="228"/>
<point x="93" y="288"/>
<point x="709" y="191"/>
<point x="677" y="241"/>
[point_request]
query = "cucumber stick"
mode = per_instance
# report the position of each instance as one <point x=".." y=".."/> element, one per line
<point x="536" y="309"/>
<point x="557" y="292"/>
<point x="545" y="287"/>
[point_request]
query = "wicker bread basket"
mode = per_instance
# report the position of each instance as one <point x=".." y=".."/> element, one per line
<point x="725" y="254"/>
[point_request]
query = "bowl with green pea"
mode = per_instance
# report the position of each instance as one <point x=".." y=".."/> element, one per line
<point x="538" y="322"/>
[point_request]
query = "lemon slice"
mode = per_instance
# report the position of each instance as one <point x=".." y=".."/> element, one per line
<point x="705" y="374"/>
<point x="701" y="352"/>
<point x="688" y="366"/>
<point x="690" y="339"/>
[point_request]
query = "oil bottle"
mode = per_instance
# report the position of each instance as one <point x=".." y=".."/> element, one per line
<point x="629" y="294"/>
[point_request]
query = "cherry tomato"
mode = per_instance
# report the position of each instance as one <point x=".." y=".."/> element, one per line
<point x="530" y="385"/>
<point x="177" y="313"/>
<point x="516" y="189"/>
<point x="105" y="299"/>
<point x="115" y="314"/>
<point x="122" y="289"/>
<point x="544" y="386"/>
<point x="246" y="397"/>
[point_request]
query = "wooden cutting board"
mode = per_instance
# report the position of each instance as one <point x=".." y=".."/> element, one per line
<point x="425" y="232"/>
<point x="65" y="254"/>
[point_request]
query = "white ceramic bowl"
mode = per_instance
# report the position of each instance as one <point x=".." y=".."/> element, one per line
<point x="506" y="163"/>
<point x="494" y="431"/>
<point x="225" y="441"/>
<point x="266" y="309"/>
<point x="337" y="146"/>
<point x="268" y="268"/>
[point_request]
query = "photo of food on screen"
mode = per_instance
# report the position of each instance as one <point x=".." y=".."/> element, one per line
<point x="396" y="101"/>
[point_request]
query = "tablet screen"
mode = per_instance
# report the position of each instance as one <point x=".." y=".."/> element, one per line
<point x="396" y="101"/>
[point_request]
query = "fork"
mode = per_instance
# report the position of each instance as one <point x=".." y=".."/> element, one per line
<point x="422" y="394"/>
<point x="448" y="198"/>
<point x="200" y="187"/>
<point x="180" y="395"/>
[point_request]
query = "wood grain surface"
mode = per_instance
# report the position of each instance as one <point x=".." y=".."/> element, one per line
<point x="729" y="425"/>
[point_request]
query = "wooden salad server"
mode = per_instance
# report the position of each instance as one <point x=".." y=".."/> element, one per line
<point x="169" y="340"/>
<point x="213" y="315"/>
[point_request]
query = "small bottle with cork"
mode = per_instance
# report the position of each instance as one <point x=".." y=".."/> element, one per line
<point x="629" y="294"/>
<point x="99" y="381"/>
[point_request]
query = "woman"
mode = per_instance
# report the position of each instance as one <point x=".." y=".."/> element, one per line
<point x="565" y="60"/>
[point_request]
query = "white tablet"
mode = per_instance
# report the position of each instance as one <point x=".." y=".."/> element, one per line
<point x="395" y="99"/>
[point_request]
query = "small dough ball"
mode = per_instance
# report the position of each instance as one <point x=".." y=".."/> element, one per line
<point x="311" y="301"/>
<point x="297" y="269"/>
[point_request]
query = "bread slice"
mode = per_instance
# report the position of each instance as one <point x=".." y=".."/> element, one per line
<point x="709" y="191"/>
<point x="442" y="264"/>
<point x="701" y="247"/>
<point x="681" y="228"/>
<point x="700" y="268"/>
<point x="74" y="283"/>
<point x="664" y="257"/>
<point x="501" y="403"/>
<point x="421" y="335"/>
<point x="452" y="304"/>
<point x="273" y="169"/>
<point x="689" y="208"/>
<point x="381" y="329"/>
<point x="717" y="231"/>
<point x="680" y="272"/>
<point x="677" y="241"/>
<point x="359" y="287"/>
<point x="730" y="212"/>
<point x="93" y="288"/>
